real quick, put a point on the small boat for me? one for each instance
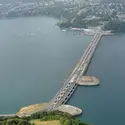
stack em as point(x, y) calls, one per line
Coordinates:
point(64, 30)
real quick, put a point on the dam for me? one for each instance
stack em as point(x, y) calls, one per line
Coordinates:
point(70, 85)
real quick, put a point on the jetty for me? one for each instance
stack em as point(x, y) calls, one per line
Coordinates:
point(88, 81)
point(72, 110)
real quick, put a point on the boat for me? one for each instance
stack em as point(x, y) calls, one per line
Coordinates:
point(64, 30)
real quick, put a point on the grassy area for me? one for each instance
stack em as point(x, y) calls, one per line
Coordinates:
point(30, 108)
point(38, 122)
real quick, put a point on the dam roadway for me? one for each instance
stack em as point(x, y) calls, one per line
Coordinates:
point(70, 84)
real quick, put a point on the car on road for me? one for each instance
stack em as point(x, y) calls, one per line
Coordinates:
point(59, 97)
point(65, 89)
point(55, 102)
point(62, 93)
point(67, 86)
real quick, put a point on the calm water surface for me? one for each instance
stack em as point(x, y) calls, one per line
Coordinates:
point(105, 104)
point(35, 57)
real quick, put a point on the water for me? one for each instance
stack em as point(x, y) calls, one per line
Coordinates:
point(105, 104)
point(35, 56)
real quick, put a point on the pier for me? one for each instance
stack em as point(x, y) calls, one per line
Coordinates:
point(88, 81)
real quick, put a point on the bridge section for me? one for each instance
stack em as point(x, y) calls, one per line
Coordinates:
point(70, 84)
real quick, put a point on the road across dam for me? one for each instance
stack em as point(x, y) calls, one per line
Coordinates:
point(70, 85)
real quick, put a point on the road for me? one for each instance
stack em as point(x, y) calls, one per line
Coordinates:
point(70, 85)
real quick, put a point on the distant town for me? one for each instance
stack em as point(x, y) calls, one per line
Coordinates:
point(72, 13)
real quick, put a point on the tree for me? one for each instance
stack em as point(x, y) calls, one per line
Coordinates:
point(115, 25)
point(17, 122)
point(67, 122)
point(62, 120)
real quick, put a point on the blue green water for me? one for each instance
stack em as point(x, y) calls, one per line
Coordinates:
point(105, 104)
point(35, 58)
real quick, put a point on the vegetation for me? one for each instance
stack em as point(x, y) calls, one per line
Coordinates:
point(38, 122)
point(14, 121)
point(63, 118)
point(76, 24)
point(115, 26)
point(65, 24)
point(79, 23)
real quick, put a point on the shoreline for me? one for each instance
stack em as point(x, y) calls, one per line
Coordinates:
point(88, 31)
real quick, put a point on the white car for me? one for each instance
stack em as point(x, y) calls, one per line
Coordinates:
point(55, 102)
